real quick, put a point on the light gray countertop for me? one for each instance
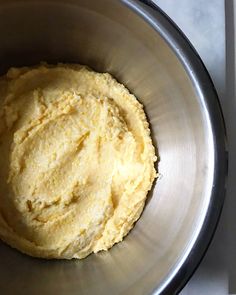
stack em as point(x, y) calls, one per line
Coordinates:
point(203, 22)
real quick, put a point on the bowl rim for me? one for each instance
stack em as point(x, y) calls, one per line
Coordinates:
point(200, 77)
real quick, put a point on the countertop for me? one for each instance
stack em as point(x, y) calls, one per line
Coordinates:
point(203, 22)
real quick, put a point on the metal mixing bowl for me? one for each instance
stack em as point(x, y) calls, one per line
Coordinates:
point(140, 46)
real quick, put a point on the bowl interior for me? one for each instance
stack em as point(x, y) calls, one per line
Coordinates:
point(110, 37)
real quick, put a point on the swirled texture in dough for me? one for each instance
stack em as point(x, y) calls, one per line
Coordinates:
point(76, 161)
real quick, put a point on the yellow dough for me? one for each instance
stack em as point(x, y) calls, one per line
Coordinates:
point(76, 160)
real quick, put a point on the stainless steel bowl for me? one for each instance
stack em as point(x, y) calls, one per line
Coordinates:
point(140, 46)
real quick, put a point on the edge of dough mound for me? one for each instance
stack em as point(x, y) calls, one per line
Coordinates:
point(77, 160)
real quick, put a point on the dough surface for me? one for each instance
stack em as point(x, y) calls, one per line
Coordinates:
point(76, 163)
